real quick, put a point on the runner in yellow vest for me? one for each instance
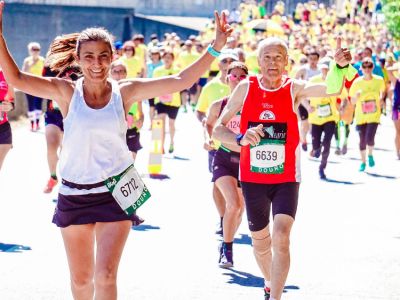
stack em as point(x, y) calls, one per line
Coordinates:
point(34, 64)
point(168, 105)
point(367, 94)
point(323, 118)
point(132, 62)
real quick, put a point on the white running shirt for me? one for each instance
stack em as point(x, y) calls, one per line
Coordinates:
point(94, 144)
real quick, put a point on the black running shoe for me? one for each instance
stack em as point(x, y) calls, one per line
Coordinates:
point(322, 174)
point(225, 258)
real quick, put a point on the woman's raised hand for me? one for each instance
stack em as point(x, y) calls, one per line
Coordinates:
point(223, 30)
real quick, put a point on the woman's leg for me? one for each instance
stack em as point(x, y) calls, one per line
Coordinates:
point(171, 124)
point(234, 206)
point(4, 148)
point(79, 245)
point(397, 137)
point(53, 139)
point(110, 239)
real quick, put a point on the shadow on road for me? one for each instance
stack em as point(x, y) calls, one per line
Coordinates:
point(340, 181)
point(145, 228)
point(13, 248)
point(244, 279)
point(249, 280)
point(244, 239)
point(381, 176)
point(157, 176)
point(177, 157)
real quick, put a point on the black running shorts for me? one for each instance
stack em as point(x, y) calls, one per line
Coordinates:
point(259, 197)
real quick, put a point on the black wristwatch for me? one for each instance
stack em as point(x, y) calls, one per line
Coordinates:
point(239, 138)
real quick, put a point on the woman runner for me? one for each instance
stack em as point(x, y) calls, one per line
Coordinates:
point(226, 168)
point(93, 225)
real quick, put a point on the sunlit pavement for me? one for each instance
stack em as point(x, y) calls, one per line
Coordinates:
point(345, 242)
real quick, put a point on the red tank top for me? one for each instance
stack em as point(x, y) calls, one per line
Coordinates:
point(3, 93)
point(276, 159)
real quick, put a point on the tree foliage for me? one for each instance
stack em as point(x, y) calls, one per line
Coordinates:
point(391, 9)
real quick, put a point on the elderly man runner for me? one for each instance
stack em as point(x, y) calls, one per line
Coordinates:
point(270, 151)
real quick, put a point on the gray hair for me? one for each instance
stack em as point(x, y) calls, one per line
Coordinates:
point(271, 41)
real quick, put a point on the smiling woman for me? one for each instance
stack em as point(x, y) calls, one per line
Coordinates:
point(100, 188)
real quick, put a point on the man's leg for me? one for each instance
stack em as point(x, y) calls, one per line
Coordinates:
point(281, 254)
point(262, 251)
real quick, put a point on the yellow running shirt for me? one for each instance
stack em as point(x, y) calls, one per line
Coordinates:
point(37, 67)
point(133, 64)
point(185, 59)
point(325, 108)
point(211, 92)
point(170, 99)
point(368, 107)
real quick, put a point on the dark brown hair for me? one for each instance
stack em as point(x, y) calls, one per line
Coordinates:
point(238, 65)
point(62, 50)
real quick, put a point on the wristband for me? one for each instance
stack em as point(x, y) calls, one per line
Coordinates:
point(212, 51)
point(339, 67)
point(239, 138)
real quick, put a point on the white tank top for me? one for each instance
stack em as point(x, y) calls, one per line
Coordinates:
point(94, 144)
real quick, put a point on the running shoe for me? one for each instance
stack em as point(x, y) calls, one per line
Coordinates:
point(344, 149)
point(50, 185)
point(322, 174)
point(267, 293)
point(171, 148)
point(315, 153)
point(371, 161)
point(338, 151)
point(304, 146)
point(362, 167)
point(225, 257)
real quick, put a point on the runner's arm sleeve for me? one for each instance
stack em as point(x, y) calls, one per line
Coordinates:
point(335, 77)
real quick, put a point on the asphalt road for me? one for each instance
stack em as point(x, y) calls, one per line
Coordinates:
point(345, 242)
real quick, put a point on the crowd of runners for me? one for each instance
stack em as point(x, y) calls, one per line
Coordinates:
point(263, 86)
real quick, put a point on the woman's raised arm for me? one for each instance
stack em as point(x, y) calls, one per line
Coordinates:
point(49, 88)
point(139, 89)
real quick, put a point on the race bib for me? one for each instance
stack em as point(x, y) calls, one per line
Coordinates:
point(234, 124)
point(128, 190)
point(268, 157)
point(368, 107)
point(166, 98)
point(324, 110)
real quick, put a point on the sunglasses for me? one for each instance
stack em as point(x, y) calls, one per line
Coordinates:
point(128, 49)
point(236, 77)
point(115, 71)
point(35, 49)
point(367, 66)
point(227, 61)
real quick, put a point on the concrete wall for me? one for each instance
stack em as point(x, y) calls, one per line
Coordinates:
point(198, 8)
point(24, 23)
point(147, 27)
